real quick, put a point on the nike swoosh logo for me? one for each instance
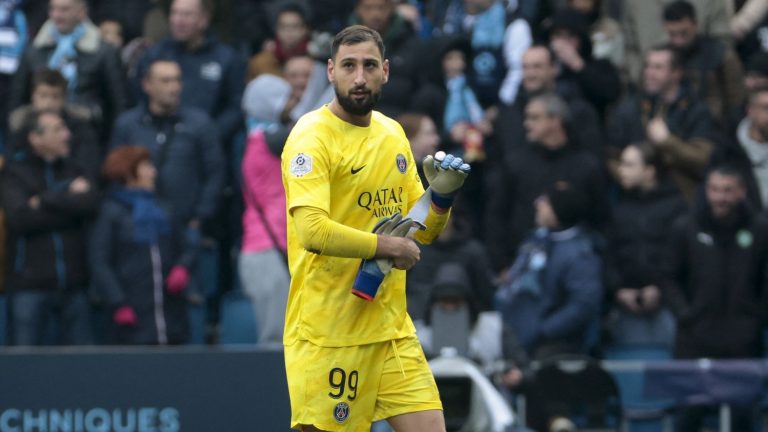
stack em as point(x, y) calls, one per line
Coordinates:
point(355, 171)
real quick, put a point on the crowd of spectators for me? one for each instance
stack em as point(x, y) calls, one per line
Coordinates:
point(619, 153)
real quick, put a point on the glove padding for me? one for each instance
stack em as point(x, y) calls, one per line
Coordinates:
point(372, 271)
point(445, 174)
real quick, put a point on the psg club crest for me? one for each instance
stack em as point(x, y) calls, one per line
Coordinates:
point(402, 164)
point(341, 412)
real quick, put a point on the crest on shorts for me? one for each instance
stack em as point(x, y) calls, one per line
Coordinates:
point(402, 164)
point(301, 165)
point(341, 412)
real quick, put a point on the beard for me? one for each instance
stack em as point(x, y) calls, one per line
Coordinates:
point(360, 107)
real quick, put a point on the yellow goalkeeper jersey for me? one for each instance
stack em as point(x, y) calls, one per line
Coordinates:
point(357, 175)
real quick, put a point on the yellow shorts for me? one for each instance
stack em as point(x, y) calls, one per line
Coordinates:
point(348, 388)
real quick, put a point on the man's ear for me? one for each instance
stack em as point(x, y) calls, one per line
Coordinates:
point(329, 70)
point(385, 66)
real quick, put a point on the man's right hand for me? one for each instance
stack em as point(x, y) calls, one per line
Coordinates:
point(402, 250)
point(79, 186)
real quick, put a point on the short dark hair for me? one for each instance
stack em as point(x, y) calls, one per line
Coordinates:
point(675, 57)
point(547, 48)
point(49, 77)
point(727, 169)
point(31, 122)
point(153, 62)
point(679, 10)
point(354, 35)
point(650, 155)
point(122, 163)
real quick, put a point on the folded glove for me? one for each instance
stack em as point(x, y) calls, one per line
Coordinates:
point(373, 271)
point(445, 174)
point(177, 279)
point(125, 316)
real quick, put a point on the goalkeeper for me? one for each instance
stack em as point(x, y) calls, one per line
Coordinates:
point(355, 206)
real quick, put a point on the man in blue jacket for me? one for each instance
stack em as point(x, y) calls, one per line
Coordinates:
point(212, 72)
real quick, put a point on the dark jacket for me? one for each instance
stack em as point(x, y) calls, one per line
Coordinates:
point(461, 249)
point(527, 173)
point(715, 72)
point(639, 234)
point(402, 50)
point(716, 284)
point(213, 75)
point(125, 273)
point(100, 77)
point(47, 245)
point(187, 153)
point(554, 293)
point(688, 149)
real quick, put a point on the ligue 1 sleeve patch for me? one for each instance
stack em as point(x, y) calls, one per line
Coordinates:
point(301, 165)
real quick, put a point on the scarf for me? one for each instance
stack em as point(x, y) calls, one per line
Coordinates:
point(462, 104)
point(284, 53)
point(150, 221)
point(489, 27)
point(63, 57)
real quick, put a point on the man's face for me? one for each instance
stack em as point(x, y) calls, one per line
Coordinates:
point(47, 97)
point(538, 123)
point(375, 13)
point(658, 73)
point(565, 37)
point(188, 20)
point(682, 34)
point(66, 14)
point(163, 85)
point(538, 70)
point(297, 71)
point(52, 136)
point(757, 112)
point(724, 193)
point(454, 63)
point(358, 73)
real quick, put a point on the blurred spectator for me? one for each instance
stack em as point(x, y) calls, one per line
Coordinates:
point(748, 27)
point(49, 89)
point(128, 14)
point(716, 282)
point(637, 237)
point(457, 245)
point(112, 33)
point(291, 38)
point(213, 73)
point(454, 320)
point(552, 296)
point(70, 43)
point(666, 114)
point(597, 80)
point(423, 137)
point(711, 66)
point(539, 77)
point(48, 202)
point(746, 149)
point(756, 72)
point(517, 38)
point(185, 148)
point(549, 158)
point(13, 28)
point(139, 263)
point(263, 262)
point(310, 88)
point(402, 49)
point(643, 27)
point(604, 32)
